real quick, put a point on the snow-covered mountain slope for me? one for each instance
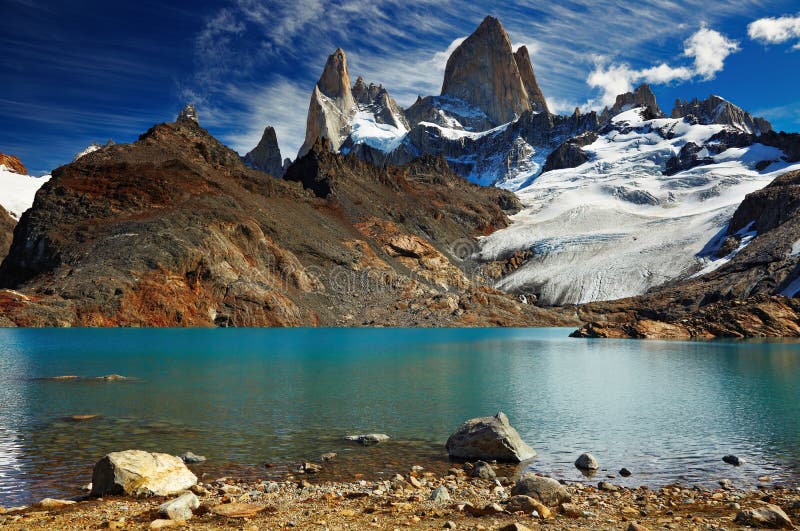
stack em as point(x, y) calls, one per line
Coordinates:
point(17, 191)
point(617, 224)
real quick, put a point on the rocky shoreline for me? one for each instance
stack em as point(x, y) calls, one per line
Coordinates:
point(417, 499)
point(134, 489)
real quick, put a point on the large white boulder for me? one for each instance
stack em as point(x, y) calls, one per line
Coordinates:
point(139, 473)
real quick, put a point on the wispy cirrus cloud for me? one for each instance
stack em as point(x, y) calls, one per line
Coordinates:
point(776, 30)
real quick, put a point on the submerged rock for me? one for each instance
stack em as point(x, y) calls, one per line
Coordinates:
point(489, 438)
point(368, 439)
point(483, 470)
point(139, 473)
point(190, 458)
point(733, 460)
point(586, 461)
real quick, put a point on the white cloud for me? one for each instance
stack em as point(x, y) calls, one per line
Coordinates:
point(707, 47)
point(710, 49)
point(776, 30)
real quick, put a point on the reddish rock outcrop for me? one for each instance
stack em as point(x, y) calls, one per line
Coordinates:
point(13, 164)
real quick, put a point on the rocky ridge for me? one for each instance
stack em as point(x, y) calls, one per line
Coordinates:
point(174, 230)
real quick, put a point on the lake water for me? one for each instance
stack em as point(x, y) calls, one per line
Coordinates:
point(668, 411)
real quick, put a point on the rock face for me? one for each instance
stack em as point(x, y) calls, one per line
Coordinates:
point(138, 473)
point(716, 110)
point(745, 296)
point(13, 164)
point(535, 96)
point(266, 156)
point(489, 438)
point(7, 224)
point(569, 154)
point(641, 97)
point(174, 230)
point(482, 71)
point(332, 105)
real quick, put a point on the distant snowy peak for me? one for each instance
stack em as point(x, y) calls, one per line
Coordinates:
point(188, 115)
point(641, 97)
point(717, 110)
point(91, 148)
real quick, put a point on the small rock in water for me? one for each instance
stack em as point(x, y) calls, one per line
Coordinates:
point(113, 378)
point(79, 418)
point(733, 460)
point(586, 461)
point(180, 508)
point(483, 470)
point(368, 439)
point(609, 487)
point(770, 516)
point(440, 495)
point(190, 458)
point(726, 484)
point(330, 456)
point(624, 472)
point(311, 468)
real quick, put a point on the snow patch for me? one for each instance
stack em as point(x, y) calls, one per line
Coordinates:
point(366, 130)
point(17, 191)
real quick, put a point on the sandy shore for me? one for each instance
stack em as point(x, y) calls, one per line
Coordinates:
point(404, 503)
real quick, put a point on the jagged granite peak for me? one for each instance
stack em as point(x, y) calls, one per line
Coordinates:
point(375, 99)
point(332, 105)
point(717, 110)
point(483, 72)
point(188, 114)
point(335, 80)
point(266, 156)
point(641, 97)
point(535, 96)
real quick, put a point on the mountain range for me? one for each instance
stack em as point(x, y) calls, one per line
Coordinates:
point(476, 206)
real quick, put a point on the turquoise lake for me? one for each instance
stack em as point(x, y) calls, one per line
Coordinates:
point(668, 411)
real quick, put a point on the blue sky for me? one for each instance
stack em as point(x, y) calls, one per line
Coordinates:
point(84, 71)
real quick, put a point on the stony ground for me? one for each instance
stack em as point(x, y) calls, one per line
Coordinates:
point(405, 503)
